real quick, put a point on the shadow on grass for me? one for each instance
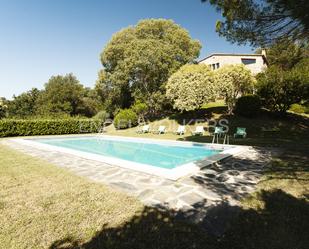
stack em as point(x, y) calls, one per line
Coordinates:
point(281, 223)
point(194, 116)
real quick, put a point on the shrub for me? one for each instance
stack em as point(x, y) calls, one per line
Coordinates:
point(11, 127)
point(140, 108)
point(191, 87)
point(297, 108)
point(280, 89)
point(101, 115)
point(248, 105)
point(233, 80)
point(125, 118)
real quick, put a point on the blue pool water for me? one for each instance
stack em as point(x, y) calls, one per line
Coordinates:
point(156, 154)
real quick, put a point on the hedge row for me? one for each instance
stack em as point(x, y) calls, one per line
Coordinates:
point(10, 127)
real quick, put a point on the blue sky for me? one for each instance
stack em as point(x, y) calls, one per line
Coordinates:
point(41, 38)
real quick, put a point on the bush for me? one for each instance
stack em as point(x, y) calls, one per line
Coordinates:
point(297, 108)
point(248, 105)
point(11, 127)
point(191, 87)
point(280, 89)
point(232, 81)
point(101, 115)
point(125, 118)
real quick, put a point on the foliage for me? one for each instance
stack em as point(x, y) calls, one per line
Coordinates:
point(191, 87)
point(140, 108)
point(262, 22)
point(62, 94)
point(279, 89)
point(248, 105)
point(12, 127)
point(24, 105)
point(3, 108)
point(90, 103)
point(286, 54)
point(232, 81)
point(297, 108)
point(139, 59)
point(102, 115)
point(125, 118)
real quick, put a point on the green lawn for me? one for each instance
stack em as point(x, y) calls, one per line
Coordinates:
point(43, 206)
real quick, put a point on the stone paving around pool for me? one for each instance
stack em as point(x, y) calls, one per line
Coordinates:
point(224, 182)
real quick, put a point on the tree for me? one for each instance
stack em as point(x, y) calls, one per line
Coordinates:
point(191, 87)
point(261, 23)
point(286, 54)
point(3, 107)
point(63, 95)
point(25, 104)
point(279, 89)
point(233, 81)
point(139, 59)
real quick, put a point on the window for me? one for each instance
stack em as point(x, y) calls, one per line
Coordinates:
point(213, 66)
point(218, 65)
point(248, 61)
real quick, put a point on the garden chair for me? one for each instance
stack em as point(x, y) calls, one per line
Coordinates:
point(181, 130)
point(161, 130)
point(219, 132)
point(240, 132)
point(145, 129)
point(199, 130)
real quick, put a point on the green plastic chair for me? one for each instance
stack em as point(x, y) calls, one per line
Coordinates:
point(240, 132)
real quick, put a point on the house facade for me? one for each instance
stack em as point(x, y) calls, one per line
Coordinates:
point(255, 62)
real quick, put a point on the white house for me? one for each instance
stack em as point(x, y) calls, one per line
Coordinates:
point(255, 62)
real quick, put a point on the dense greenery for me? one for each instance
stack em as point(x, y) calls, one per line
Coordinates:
point(191, 87)
point(279, 89)
point(248, 105)
point(285, 54)
point(62, 96)
point(25, 104)
point(286, 80)
point(138, 61)
point(125, 118)
point(3, 108)
point(11, 127)
point(232, 81)
point(262, 22)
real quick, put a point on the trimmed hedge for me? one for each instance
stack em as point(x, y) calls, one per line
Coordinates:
point(11, 127)
point(248, 105)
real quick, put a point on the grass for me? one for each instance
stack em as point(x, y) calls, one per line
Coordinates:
point(40, 203)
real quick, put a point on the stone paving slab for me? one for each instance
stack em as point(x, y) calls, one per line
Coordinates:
point(226, 181)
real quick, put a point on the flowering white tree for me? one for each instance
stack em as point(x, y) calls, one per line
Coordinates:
point(233, 81)
point(191, 87)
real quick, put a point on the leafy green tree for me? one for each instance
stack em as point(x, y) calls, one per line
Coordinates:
point(262, 22)
point(140, 108)
point(279, 89)
point(63, 95)
point(286, 54)
point(139, 59)
point(90, 104)
point(3, 108)
point(233, 81)
point(191, 87)
point(24, 105)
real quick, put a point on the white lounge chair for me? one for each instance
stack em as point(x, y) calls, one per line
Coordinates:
point(181, 130)
point(199, 130)
point(145, 129)
point(161, 130)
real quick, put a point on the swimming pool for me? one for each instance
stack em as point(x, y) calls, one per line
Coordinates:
point(170, 159)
